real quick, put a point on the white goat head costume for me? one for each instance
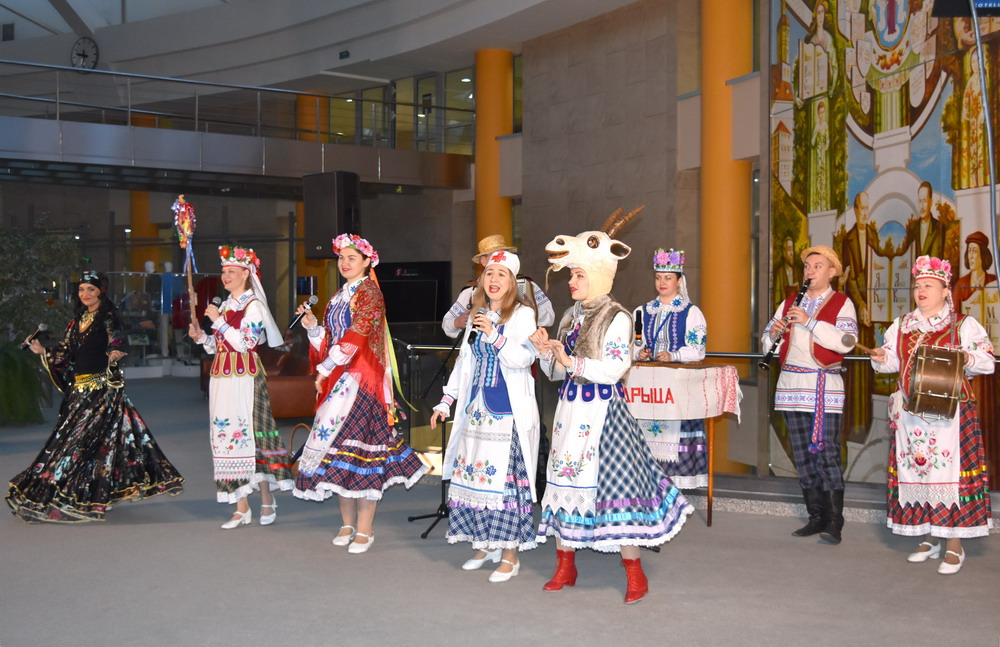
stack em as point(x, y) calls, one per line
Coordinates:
point(595, 252)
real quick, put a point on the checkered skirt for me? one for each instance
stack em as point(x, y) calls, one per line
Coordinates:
point(971, 517)
point(690, 470)
point(512, 527)
point(366, 458)
point(273, 462)
point(636, 505)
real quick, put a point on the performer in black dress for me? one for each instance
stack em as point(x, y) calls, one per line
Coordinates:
point(101, 451)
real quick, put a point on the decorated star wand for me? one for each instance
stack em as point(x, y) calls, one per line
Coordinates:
point(184, 220)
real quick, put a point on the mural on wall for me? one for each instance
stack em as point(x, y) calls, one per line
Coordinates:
point(878, 149)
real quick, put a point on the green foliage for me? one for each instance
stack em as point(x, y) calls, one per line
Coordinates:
point(31, 261)
point(20, 386)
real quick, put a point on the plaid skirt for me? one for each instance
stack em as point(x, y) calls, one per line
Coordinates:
point(511, 527)
point(690, 470)
point(273, 463)
point(637, 504)
point(366, 458)
point(971, 517)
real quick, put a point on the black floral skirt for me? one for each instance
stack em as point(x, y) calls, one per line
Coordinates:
point(100, 453)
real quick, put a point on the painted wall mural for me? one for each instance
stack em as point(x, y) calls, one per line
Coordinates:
point(878, 149)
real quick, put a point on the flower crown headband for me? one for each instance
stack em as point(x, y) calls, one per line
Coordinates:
point(358, 243)
point(671, 260)
point(239, 256)
point(931, 267)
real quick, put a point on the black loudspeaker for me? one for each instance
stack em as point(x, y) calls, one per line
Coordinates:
point(332, 207)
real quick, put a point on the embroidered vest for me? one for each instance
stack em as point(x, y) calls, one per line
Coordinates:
point(674, 329)
point(489, 378)
point(907, 345)
point(571, 388)
point(828, 312)
point(228, 361)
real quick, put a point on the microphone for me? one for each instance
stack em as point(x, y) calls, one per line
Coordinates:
point(217, 301)
point(38, 331)
point(311, 301)
point(472, 335)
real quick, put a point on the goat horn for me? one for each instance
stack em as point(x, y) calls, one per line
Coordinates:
point(611, 219)
point(617, 225)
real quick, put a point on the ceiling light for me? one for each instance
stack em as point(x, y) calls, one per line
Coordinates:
point(466, 79)
point(128, 230)
point(350, 101)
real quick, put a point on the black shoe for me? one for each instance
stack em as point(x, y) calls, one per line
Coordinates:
point(814, 506)
point(831, 533)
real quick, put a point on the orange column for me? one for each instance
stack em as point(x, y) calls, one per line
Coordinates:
point(312, 118)
point(494, 118)
point(726, 53)
point(143, 233)
point(309, 267)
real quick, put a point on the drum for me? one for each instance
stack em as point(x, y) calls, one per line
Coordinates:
point(935, 382)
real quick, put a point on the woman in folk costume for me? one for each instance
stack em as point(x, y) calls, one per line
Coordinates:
point(492, 453)
point(673, 330)
point(937, 469)
point(605, 490)
point(353, 449)
point(101, 451)
point(247, 451)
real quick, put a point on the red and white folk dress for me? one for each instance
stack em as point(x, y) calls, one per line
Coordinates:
point(246, 443)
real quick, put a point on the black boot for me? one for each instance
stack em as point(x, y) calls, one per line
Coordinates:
point(832, 532)
point(814, 506)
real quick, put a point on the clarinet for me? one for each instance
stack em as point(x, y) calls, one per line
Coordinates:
point(765, 364)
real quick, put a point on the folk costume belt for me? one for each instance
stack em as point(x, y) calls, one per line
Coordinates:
point(817, 442)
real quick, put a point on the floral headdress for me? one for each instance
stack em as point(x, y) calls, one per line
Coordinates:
point(358, 243)
point(671, 260)
point(933, 268)
point(239, 257)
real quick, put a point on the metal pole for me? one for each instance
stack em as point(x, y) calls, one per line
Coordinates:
point(292, 264)
point(987, 116)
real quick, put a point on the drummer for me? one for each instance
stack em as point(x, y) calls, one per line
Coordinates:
point(938, 483)
point(673, 330)
point(810, 391)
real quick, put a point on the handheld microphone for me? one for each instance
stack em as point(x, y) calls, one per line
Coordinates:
point(217, 301)
point(311, 301)
point(473, 333)
point(38, 331)
point(638, 330)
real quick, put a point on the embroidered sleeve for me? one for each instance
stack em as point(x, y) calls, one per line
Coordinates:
point(116, 332)
point(891, 364)
point(209, 343)
point(546, 314)
point(831, 336)
point(246, 338)
point(459, 308)
point(766, 341)
point(976, 342)
point(615, 356)
point(695, 337)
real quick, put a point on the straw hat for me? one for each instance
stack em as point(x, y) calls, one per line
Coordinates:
point(490, 244)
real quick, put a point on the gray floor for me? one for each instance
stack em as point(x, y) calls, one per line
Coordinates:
point(163, 573)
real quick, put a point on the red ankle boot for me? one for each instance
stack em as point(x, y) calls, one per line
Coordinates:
point(565, 574)
point(638, 585)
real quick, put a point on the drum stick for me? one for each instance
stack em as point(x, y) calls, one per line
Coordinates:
point(851, 340)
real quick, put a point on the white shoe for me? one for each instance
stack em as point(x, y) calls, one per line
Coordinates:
point(356, 547)
point(239, 519)
point(343, 540)
point(475, 564)
point(497, 576)
point(923, 555)
point(268, 519)
point(950, 569)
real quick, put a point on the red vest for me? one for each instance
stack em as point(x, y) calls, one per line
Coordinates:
point(228, 361)
point(828, 312)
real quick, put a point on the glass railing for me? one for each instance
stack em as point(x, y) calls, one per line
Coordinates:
point(43, 91)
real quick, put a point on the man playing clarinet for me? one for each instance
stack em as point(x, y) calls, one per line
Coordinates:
point(812, 329)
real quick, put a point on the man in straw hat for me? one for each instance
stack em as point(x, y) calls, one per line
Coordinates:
point(810, 391)
point(454, 320)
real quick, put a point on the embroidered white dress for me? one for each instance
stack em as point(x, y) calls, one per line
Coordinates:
point(246, 445)
point(604, 488)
